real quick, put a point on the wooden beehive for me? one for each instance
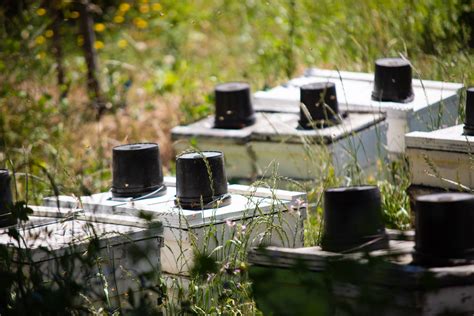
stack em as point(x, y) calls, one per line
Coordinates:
point(275, 144)
point(435, 104)
point(273, 217)
point(309, 281)
point(441, 159)
point(127, 248)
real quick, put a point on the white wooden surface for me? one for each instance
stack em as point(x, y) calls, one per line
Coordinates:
point(413, 290)
point(435, 103)
point(442, 158)
point(64, 231)
point(259, 209)
point(275, 143)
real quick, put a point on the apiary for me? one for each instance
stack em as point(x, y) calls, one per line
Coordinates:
point(432, 105)
point(200, 211)
point(434, 275)
point(288, 144)
point(257, 209)
point(127, 248)
point(442, 159)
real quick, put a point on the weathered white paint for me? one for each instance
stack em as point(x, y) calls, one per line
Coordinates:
point(435, 104)
point(410, 289)
point(275, 217)
point(442, 158)
point(63, 231)
point(274, 144)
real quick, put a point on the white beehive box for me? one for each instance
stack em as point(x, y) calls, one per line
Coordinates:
point(272, 217)
point(66, 231)
point(350, 284)
point(441, 159)
point(435, 103)
point(275, 143)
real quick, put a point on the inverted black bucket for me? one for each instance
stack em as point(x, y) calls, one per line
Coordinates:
point(444, 229)
point(201, 182)
point(137, 171)
point(353, 220)
point(6, 200)
point(234, 109)
point(469, 123)
point(319, 107)
point(393, 80)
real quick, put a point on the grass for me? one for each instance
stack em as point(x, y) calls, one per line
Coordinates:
point(158, 68)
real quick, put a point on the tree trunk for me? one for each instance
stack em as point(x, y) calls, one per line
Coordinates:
point(58, 51)
point(87, 31)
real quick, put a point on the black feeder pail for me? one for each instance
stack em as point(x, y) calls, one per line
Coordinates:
point(319, 100)
point(201, 182)
point(137, 171)
point(353, 220)
point(469, 123)
point(6, 200)
point(393, 80)
point(444, 229)
point(234, 108)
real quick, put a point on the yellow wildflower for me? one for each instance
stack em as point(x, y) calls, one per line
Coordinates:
point(98, 45)
point(80, 40)
point(144, 8)
point(124, 7)
point(140, 23)
point(99, 27)
point(41, 11)
point(122, 43)
point(40, 55)
point(156, 7)
point(40, 40)
point(49, 33)
point(144, 1)
point(118, 19)
point(371, 179)
point(74, 15)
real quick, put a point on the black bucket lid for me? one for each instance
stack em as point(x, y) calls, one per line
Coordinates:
point(137, 170)
point(234, 108)
point(393, 80)
point(320, 101)
point(353, 220)
point(444, 229)
point(6, 200)
point(201, 181)
point(469, 123)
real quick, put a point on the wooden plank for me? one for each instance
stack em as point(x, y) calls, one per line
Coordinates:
point(246, 190)
point(205, 128)
point(435, 104)
point(360, 76)
point(246, 202)
point(449, 139)
point(441, 169)
point(283, 127)
point(277, 141)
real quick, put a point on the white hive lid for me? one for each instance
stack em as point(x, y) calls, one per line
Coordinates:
point(353, 92)
point(449, 139)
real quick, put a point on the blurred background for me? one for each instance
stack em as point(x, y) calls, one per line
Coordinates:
point(79, 77)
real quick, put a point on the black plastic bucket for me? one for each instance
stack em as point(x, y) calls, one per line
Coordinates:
point(319, 100)
point(6, 200)
point(444, 229)
point(234, 108)
point(353, 220)
point(201, 182)
point(137, 171)
point(469, 123)
point(393, 80)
